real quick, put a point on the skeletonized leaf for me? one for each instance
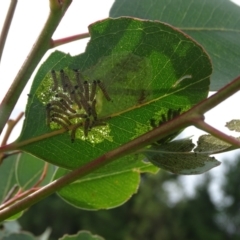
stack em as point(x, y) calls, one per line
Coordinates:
point(233, 125)
point(176, 158)
point(211, 145)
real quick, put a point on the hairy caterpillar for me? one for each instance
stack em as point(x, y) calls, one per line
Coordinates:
point(65, 97)
point(79, 78)
point(86, 90)
point(55, 82)
point(171, 113)
point(93, 90)
point(57, 115)
point(103, 89)
point(60, 122)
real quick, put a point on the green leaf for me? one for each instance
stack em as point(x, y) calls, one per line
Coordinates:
point(15, 216)
point(8, 180)
point(148, 69)
point(210, 144)
point(177, 158)
point(29, 170)
point(140, 63)
point(104, 190)
point(213, 23)
point(82, 235)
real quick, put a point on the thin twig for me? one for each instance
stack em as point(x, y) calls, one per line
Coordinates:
point(7, 25)
point(10, 126)
point(10, 194)
point(43, 175)
point(220, 96)
point(18, 197)
point(59, 42)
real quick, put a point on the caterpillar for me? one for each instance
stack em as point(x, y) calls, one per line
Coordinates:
point(60, 111)
point(65, 97)
point(94, 113)
point(57, 104)
point(86, 127)
point(78, 115)
point(73, 132)
point(57, 115)
point(93, 90)
point(55, 81)
point(60, 122)
point(74, 97)
point(74, 101)
point(62, 77)
point(79, 78)
point(86, 90)
point(69, 85)
point(85, 104)
point(64, 103)
point(171, 113)
point(103, 89)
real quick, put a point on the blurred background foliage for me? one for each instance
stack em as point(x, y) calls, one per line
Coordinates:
point(151, 214)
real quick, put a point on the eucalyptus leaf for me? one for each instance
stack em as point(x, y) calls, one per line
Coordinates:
point(104, 190)
point(210, 144)
point(133, 73)
point(147, 68)
point(233, 125)
point(213, 23)
point(176, 157)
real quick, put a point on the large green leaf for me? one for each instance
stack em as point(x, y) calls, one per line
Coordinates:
point(213, 23)
point(140, 63)
point(105, 189)
point(146, 67)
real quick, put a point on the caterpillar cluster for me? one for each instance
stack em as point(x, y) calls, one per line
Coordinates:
point(171, 113)
point(74, 100)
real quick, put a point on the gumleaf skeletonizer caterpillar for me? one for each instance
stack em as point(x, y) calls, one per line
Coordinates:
point(65, 97)
point(57, 115)
point(103, 89)
point(73, 132)
point(55, 81)
point(93, 90)
point(79, 78)
point(60, 122)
